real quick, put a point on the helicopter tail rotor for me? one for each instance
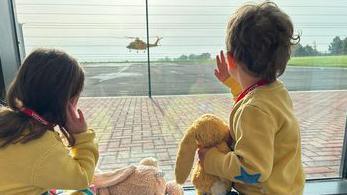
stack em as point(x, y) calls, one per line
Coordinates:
point(158, 39)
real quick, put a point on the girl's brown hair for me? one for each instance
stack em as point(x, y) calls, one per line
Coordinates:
point(45, 83)
point(260, 36)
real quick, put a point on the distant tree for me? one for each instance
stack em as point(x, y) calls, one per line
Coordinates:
point(182, 58)
point(164, 59)
point(205, 56)
point(336, 47)
point(167, 59)
point(193, 57)
point(344, 51)
point(310, 51)
point(201, 57)
point(299, 50)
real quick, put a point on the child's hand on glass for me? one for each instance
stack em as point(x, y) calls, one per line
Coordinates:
point(75, 122)
point(221, 72)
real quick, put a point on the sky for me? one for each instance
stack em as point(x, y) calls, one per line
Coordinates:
point(97, 30)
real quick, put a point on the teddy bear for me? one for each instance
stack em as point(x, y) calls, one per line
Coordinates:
point(207, 131)
point(145, 179)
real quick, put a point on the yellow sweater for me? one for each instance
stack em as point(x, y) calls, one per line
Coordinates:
point(45, 163)
point(267, 153)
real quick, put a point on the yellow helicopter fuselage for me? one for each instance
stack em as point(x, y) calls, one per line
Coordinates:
point(138, 44)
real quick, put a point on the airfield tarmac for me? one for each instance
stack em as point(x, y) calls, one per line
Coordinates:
point(131, 79)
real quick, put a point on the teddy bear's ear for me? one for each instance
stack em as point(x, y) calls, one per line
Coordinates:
point(108, 179)
point(185, 157)
point(172, 188)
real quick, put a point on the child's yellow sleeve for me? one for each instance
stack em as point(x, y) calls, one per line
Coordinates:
point(252, 159)
point(61, 170)
point(235, 87)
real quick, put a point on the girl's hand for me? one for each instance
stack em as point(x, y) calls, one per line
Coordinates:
point(75, 124)
point(222, 68)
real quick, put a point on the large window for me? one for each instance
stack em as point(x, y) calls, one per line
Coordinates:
point(106, 37)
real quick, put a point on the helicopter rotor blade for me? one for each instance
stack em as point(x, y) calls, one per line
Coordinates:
point(131, 37)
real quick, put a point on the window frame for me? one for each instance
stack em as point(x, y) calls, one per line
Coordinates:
point(9, 50)
point(10, 59)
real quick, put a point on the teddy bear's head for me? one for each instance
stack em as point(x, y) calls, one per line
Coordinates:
point(149, 161)
point(206, 131)
point(145, 178)
point(209, 131)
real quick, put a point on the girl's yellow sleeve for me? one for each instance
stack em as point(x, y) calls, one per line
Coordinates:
point(234, 86)
point(252, 159)
point(61, 170)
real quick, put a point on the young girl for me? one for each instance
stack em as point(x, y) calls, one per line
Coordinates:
point(267, 149)
point(33, 158)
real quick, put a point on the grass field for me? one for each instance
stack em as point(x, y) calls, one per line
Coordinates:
point(320, 61)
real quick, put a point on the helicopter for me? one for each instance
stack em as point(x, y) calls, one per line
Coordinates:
point(139, 44)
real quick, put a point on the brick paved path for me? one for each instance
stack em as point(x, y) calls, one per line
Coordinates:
point(131, 128)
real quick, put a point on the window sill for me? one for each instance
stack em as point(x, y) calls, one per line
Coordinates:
point(312, 187)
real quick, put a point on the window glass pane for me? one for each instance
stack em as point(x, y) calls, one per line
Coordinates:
point(316, 79)
point(193, 32)
point(97, 33)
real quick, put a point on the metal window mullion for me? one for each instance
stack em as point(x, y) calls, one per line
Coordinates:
point(2, 86)
point(343, 165)
point(9, 51)
point(148, 56)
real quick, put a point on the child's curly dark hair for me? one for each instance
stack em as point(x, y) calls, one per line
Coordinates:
point(260, 36)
